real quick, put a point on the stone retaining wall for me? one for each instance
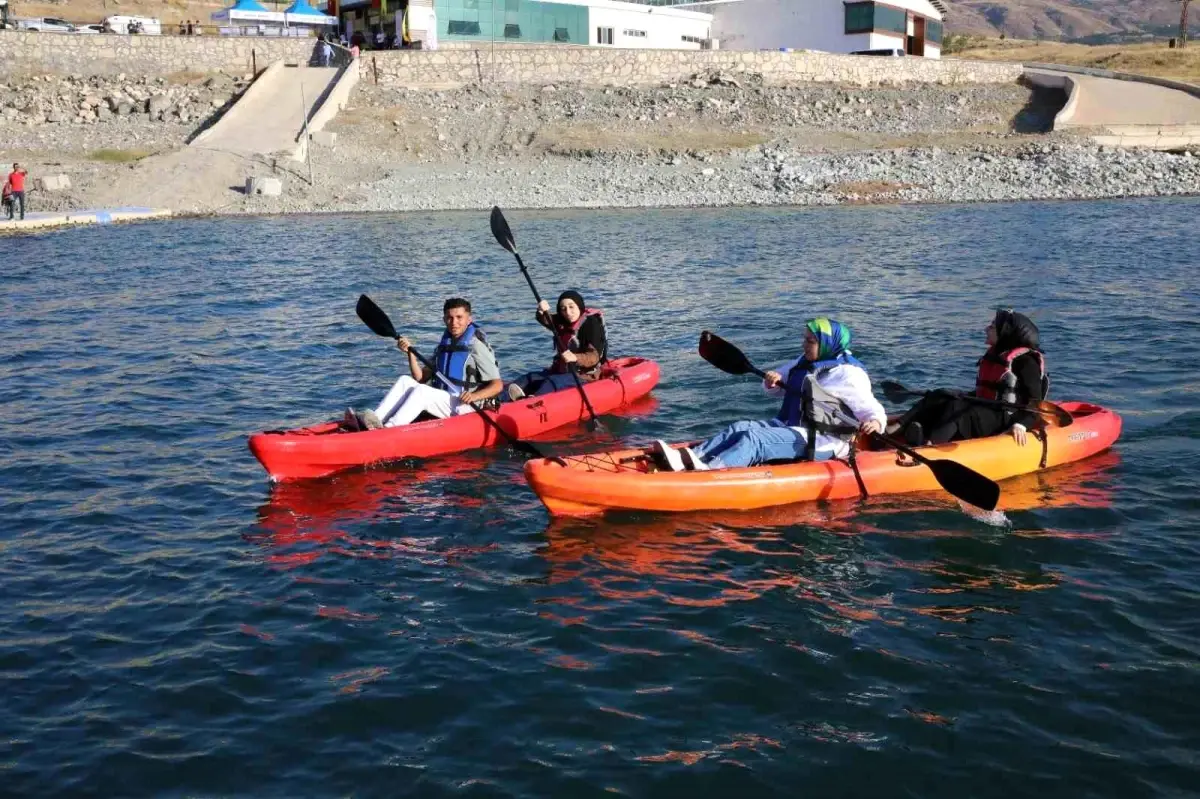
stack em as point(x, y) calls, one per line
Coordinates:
point(109, 54)
point(23, 52)
point(606, 66)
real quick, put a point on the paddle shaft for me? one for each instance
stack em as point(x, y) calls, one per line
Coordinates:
point(1061, 416)
point(876, 437)
point(587, 403)
point(516, 443)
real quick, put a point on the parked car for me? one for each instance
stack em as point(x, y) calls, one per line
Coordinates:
point(884, 51)
point(90, 29)
point(46, 24)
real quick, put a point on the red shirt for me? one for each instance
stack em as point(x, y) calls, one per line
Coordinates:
point(17, 179)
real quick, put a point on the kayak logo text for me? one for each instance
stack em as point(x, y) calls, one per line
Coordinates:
point(1084, 436)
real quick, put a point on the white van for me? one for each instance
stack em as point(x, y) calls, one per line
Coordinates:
point(149, 26)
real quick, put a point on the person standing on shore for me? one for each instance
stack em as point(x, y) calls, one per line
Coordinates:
point(16, 186)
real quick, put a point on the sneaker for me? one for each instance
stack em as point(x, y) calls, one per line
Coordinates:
point(515, 392)
point(350, 421)
point(692, 460)
point(669, 454)
point(369, 420)
point(914, 434)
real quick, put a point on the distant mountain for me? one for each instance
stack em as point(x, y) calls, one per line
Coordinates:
point(1092, 20)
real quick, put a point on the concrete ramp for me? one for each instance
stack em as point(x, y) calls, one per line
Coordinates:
point(1124, 110)
point(269, 117)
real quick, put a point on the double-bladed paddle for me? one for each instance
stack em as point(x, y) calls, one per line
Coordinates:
point(503, 234)
point(898, 393)
point(967, 484)
point(374, 318)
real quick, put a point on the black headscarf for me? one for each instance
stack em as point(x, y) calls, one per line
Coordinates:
point(573, 296)
point(1014, 330)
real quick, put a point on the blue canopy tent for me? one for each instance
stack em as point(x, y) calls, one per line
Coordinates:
point(301, 13)
point(244, 11)
point(251, 18)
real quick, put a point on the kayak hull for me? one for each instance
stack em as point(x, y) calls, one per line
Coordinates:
point(629, 480)
point(324, 449)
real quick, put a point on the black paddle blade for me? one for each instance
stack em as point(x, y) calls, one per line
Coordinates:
point(502, 231)
point(374, 317)
point(896, 392)
point(723, 355)
point(967, 484)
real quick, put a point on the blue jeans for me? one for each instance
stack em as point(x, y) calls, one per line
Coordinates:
point(752, 443)
point(543, 382)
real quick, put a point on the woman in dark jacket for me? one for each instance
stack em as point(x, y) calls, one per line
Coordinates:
point(1012, 370)
point(581, 344)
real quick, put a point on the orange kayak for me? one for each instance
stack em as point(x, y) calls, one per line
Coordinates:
point(630, 479)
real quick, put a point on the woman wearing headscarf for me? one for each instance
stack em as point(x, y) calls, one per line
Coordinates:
point(827, 401)
point(581, 344)
point(1012, 370)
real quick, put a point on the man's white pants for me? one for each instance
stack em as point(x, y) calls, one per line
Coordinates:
point(408, 398)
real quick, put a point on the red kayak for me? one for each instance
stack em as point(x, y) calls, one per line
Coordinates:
point(324, 449)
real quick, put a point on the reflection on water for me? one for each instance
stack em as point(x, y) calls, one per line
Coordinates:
point(173, 625)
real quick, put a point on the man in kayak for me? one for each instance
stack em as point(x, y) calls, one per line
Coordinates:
point(581, 342)
point(1012, 370)
point(467, 374)
point(827, 400)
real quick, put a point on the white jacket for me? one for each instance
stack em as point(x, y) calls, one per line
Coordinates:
point(852, 385)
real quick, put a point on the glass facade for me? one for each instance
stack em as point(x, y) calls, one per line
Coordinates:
point(867, 17)
point(511, 20)
point(933, 32)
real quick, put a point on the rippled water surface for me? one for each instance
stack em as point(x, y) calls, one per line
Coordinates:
point(174, 625)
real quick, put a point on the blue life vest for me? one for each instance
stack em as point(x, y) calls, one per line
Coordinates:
point(452, 356)
point(791, 412)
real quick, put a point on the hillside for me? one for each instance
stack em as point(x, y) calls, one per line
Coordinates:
point(1064, 19)
point(1144, 59)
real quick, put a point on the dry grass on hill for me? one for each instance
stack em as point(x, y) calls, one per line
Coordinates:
point(1146, 59)
point(169, 12)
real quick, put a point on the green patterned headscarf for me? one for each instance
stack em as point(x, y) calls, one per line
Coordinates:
point(833, 337)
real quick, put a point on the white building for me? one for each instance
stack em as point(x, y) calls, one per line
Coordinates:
point(641, 26)
point(913, 27)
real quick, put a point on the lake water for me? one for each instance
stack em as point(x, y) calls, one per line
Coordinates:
point(174, 625)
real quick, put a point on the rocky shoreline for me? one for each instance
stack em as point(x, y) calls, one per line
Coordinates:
point(712, 141)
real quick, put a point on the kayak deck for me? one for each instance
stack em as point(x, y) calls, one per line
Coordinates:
point(631, 480)
point(326, 448)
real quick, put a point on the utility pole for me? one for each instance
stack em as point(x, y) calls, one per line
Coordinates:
point(1183, 24)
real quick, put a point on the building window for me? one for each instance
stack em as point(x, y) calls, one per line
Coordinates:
point(860, 17)
point(692, 39)
point(875, 17)
point(933, 31)
point(635, 34)
point(893, 20)
point(562, 35)
point(512, 31)
point(460, 27)
point(512, 5)
point(604, 35)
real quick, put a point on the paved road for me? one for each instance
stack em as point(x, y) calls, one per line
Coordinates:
point(1103, 102)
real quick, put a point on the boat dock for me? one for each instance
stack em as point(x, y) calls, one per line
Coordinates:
point(45, 220)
